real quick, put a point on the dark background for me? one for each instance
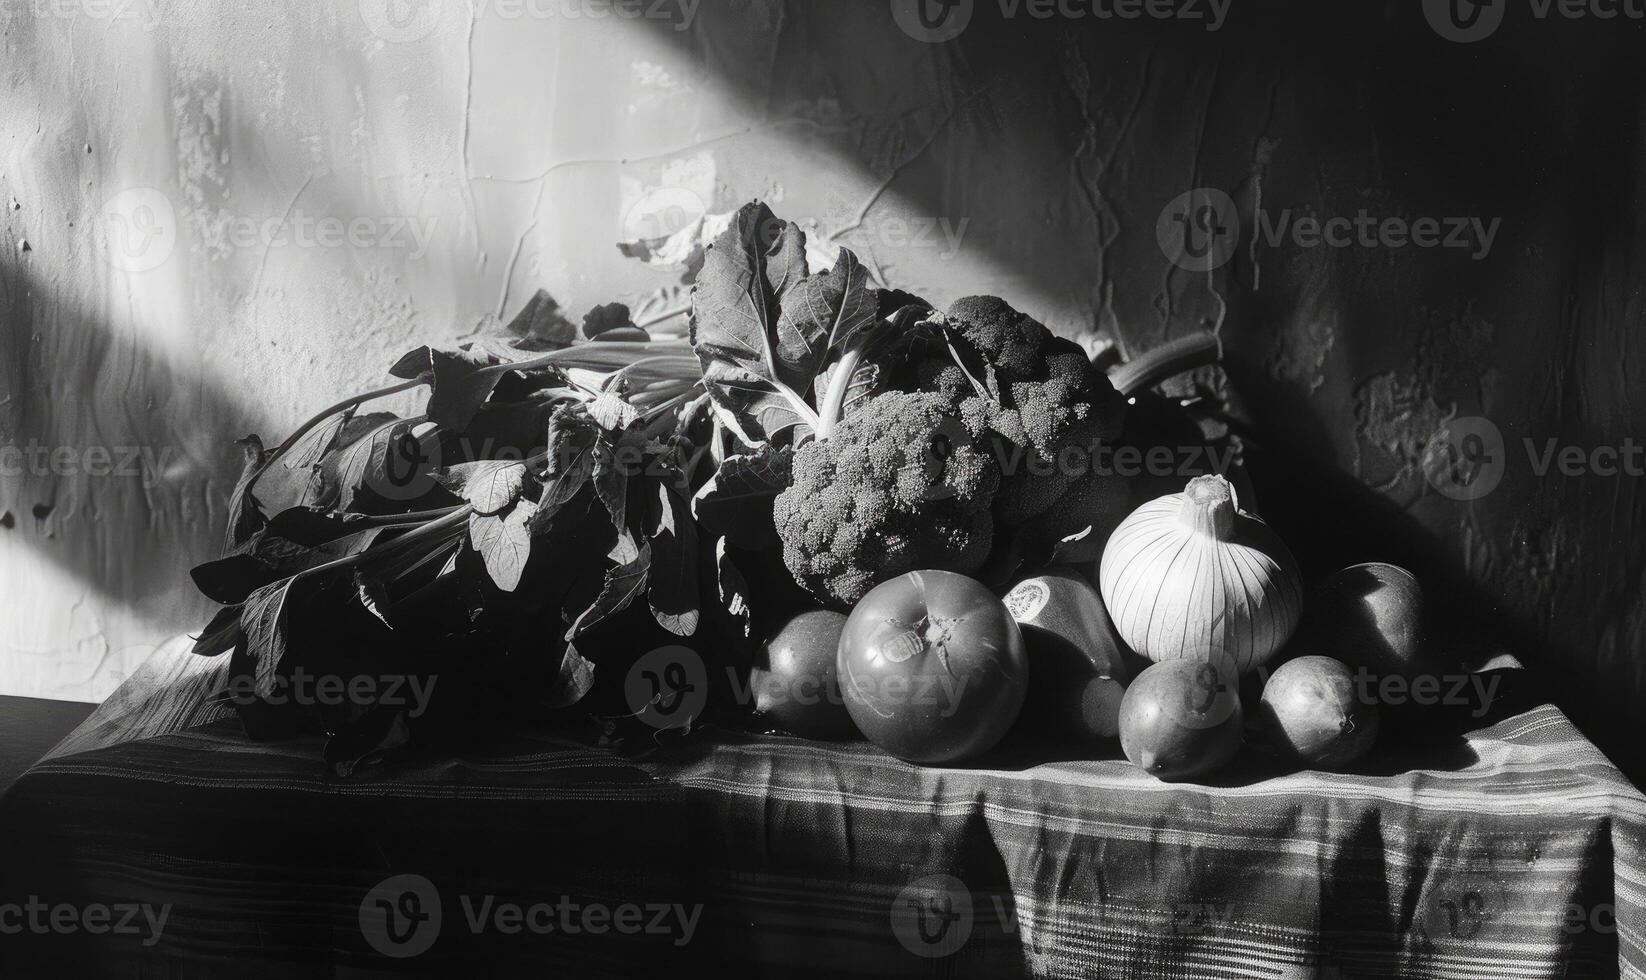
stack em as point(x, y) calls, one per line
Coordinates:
point(1062, 140)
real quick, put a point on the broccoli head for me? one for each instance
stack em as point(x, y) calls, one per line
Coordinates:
point(937, 473)
point(901, 484)
point(1047, 406)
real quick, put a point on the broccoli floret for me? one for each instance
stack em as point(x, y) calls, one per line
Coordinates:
point(935, 473)
point(1050, 399)
point(901, 484)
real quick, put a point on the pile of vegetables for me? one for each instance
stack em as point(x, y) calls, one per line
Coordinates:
point(822, 480)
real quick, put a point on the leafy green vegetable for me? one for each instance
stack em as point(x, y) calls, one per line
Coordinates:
point(263, 621)
point(673, 592)
point(764, 330)
point(504, 541)
point(244, 516)
point(490, 485)
point(222, 634)
point(631, 566)
point(562, 501)
point(737, 500)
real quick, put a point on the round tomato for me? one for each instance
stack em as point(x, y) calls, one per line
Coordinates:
point(1312, 713)
point(932, 667)
point(798, 689)
point(1181, 719)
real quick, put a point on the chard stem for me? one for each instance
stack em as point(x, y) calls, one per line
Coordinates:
point(325, 414)
point(684, 396)
point(834, 398)
point(401, 520)
point(454, 518)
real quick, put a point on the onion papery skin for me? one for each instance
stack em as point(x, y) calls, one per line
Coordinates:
point(1189, 575)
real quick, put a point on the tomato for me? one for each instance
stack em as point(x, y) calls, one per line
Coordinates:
point(932, 667)
point(799, 688)
point(1181, 719)
point(1312, 713)
point(1371, 617)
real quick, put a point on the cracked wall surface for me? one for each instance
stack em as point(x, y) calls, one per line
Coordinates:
point(487, 156)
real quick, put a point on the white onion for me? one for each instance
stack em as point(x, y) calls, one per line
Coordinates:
point(1190, 575)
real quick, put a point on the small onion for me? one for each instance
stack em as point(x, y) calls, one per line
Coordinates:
point(1190, 573)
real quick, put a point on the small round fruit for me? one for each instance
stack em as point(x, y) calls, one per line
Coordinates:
point(1370, 616)
point(1181, 719)
point(1310, 713)
point(799, 688)
point(1076, 672)
point(932, 667)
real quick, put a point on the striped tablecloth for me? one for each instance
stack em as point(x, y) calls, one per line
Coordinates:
point(1515, 850)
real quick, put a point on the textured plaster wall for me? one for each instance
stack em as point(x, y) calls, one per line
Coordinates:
point(481, 154)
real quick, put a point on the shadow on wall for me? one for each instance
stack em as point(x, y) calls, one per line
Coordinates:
point(114, 450)
point(1063, 141)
